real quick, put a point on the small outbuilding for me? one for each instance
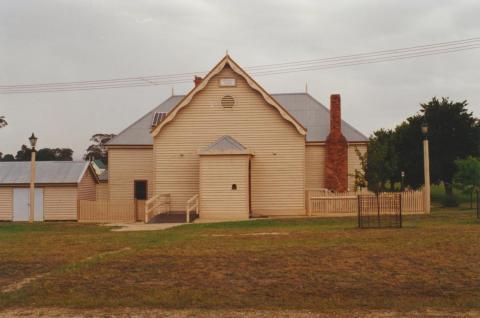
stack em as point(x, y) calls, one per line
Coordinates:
point(58, 187)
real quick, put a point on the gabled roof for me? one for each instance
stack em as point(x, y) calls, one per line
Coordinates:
point(227, 61)
point(18, 172)
point(307, 110)
point(225, 145)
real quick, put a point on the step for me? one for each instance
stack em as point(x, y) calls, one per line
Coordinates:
point(173, 218)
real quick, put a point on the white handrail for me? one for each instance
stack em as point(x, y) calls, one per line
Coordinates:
point(157, 205)
point(190, 207)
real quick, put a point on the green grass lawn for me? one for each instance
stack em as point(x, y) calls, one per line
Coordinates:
point(311, 264)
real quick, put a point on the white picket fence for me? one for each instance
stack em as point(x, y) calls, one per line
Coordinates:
point(322, 202)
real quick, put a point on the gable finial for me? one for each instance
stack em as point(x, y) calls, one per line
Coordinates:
point(173, 90)
point(306, 87)
point(226, 52)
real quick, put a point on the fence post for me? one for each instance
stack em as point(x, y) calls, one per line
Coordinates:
point(358, 210)
point(309, 204)
point(400, 198)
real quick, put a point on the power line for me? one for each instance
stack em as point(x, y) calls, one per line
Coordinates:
point(260, 70)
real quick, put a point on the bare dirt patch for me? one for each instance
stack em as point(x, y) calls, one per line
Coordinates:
point(20, 284)
point(199, 313)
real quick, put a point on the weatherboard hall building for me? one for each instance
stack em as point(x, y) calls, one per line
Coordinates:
point(243, 151)
point(237, 149)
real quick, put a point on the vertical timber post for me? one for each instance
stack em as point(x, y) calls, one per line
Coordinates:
point(31, 215)
point(358, 210)
point(426, 169)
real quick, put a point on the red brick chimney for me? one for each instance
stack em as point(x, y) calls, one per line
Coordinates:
point(197, 80)
point(336, 165)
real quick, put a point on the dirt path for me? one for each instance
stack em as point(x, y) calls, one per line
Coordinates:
point(140, 313)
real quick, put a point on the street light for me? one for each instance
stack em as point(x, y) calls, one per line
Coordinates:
point(402, 174)
point(425, 130)
point(33, 142)
point(426, 167)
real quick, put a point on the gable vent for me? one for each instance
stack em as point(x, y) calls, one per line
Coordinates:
point(157, 118)
point(228, 101)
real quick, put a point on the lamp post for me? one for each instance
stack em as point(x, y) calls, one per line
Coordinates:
point(33, 142)
point(402, 174)
point(426, 167)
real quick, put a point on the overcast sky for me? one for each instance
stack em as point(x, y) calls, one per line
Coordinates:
point(55, 41)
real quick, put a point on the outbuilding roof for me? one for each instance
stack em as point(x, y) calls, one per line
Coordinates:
point(224, 145)
point(18, 172)
point(309, 112)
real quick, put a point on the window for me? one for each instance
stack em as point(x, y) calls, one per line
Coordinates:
point(140, 190)
point(227, 82)
point(234, 186)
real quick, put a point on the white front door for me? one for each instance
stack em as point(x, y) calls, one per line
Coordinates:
point(21, 204)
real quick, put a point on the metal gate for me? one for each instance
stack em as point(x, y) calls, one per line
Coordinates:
point(379, 211)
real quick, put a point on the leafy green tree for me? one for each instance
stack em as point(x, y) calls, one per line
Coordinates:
point(382, 160)
point(45, 154)
point(360, 180)
point(453, 134)
point(97, 150)
point(8, 157)
point(55, 154)
point(24, 154)
point(408, 145)
point(467, 177)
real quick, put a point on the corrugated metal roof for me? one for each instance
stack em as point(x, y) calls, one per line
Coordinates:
point(138, 133)
point(303, 107)
point(18, 172)
point(315, 117)
point(225, 144)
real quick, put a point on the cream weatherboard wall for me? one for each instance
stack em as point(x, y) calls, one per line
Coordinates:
point(315, 166)
point(87, 187)
point(102, 191)
point(6, 204)
point(60, 203)
point(278, 167)
point(125, 166)
point(224, 187)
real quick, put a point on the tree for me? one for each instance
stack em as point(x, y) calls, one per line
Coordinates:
point(55, 154)
point(97, 149)
point(467, 177)
point(8, 157)
point(408, 145)
point(382, 161)
point(24, 154)
point(3, 122)
point(360, 180)
point(45, 154)
point(453, 134)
